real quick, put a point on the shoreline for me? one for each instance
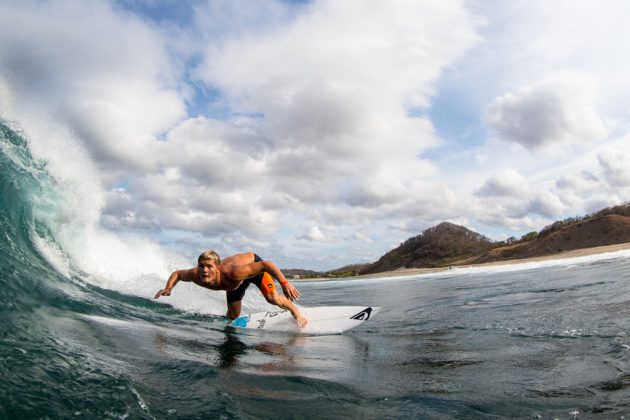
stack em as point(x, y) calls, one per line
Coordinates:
point(583, 252)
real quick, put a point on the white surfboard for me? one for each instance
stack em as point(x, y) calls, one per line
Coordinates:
point(322, 320)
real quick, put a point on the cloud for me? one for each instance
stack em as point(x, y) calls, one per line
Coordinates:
point(547, 113)
point(335, 101)
point(361, 236)
point(212, 153)
point(311, 234)
point(106, 73)
point(547, 204)
point(336, 133)
point(508, 196)
point(616, 167)
point(245, 124)
point(507, 183)
point(582, 181)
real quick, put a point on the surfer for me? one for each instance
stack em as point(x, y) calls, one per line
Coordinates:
point(234, 274)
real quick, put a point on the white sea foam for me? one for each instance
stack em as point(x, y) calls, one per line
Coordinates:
point(532, 265)
point(53, 254)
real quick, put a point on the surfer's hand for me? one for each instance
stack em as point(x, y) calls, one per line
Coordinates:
point(291, 292)
point(163, 292)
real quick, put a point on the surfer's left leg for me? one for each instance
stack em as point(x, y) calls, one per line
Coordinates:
point(277, 299)
point(269, 291)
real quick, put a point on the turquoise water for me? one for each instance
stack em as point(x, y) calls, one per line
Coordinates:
point(535, 341)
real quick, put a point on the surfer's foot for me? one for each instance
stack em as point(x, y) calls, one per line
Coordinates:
point(301, 321)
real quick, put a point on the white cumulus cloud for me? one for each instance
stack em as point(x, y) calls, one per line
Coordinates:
point(313, 234)
point(507, 182)
point(550, 112)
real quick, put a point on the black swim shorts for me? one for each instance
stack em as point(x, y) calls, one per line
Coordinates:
point(264, 281)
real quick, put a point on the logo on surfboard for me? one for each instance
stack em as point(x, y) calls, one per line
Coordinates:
point(364, 315)
point(241, 321)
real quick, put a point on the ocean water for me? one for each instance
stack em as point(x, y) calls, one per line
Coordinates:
point(81, 337)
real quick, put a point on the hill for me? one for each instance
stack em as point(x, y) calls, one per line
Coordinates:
point(598, 230)
point(449, 244)
point(346, 271)
point(292, 273)
point(435, 247)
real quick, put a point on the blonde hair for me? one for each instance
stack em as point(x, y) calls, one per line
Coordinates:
point(209, 255)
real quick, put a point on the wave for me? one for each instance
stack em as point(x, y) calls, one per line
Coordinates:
point(20, 179)
point(60, 270)
point(50, 219)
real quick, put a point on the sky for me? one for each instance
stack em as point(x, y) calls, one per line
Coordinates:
point(325, 133)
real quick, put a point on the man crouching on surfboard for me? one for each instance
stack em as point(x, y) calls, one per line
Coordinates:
point(234, 274)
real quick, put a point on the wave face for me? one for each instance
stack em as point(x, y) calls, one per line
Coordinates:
point(23, 181)
point(40, 369)
point(28, 285)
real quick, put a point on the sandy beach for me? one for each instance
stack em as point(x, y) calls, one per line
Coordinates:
point(414, 271)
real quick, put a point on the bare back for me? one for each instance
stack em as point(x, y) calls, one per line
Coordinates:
point(232, 272)
point(236, 268)
point(228, 263)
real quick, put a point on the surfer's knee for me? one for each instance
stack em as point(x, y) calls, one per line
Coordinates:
point(273, 298)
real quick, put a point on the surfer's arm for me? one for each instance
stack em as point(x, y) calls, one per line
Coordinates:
point(174, 278)
point(287, 288)
point(243, 272)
